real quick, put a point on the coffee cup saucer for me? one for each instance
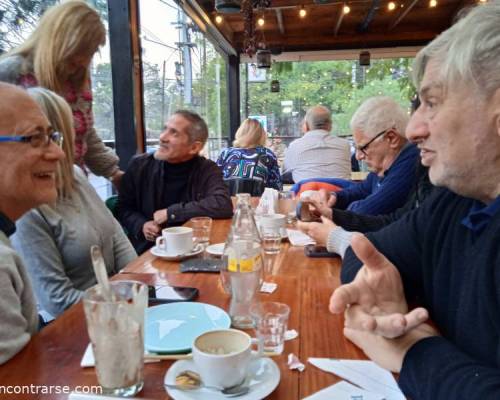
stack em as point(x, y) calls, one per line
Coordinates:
point(157, 252)
point(263, 377)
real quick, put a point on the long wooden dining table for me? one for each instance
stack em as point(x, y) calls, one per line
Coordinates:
point(52, 357)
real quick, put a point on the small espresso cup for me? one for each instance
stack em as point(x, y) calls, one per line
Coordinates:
point(175, 241)
point(222, 357)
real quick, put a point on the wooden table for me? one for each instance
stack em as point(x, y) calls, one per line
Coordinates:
point(53, 356)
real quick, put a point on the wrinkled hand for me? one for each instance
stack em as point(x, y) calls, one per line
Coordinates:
point(321, 203)
point(151, 230)
point(374, 301)
point(319, 231)
point(160, 216)
point(388, 353)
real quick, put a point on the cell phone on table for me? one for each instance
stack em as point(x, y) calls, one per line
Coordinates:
point(171, 294)
point(311, 250)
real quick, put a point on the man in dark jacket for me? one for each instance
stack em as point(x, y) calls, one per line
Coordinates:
point(172, 185)
point(445, 255)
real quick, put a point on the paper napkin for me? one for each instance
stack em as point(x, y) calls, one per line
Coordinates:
point(297, 238)
point(88, 359)
point(344, 391)
point(365, 374)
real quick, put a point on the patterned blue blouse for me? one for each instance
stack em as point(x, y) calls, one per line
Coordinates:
point(258, 163)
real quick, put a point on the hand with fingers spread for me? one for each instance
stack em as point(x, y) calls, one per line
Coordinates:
point(374, 301)
point(151, 231)
point(319, 231)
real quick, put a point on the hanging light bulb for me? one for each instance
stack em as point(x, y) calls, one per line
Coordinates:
point(302, 12)
point(391, 6)
point(483, 1)
point(346, 9)
point(261, 21)
point(218, 19)
point(433, 3)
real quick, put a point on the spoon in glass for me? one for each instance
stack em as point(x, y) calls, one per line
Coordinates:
point(190, 380)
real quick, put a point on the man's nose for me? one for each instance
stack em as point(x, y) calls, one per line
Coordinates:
point(417, 129)
point(359, 154)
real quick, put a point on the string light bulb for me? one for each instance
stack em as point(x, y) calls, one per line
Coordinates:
point(483, 1)
point(391, 6)
point(218, 19)
point(261, 21)
point(433, 3)
point(302, 12)
point(346, 9)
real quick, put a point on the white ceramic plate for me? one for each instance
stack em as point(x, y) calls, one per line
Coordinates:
point(176, 257)
point(215, 249)
point(263, 378)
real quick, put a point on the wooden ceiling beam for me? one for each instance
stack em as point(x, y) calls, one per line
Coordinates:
point(279, 19)
point(339, 20)
point(403, 14)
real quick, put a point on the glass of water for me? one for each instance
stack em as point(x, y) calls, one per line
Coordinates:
point(287, 205)
point(270, 321)
point(202, 227)
point(271, 244)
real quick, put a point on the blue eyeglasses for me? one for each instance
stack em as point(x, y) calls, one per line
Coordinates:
point(37, 140)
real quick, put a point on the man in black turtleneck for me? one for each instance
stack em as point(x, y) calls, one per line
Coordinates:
point(172, 185)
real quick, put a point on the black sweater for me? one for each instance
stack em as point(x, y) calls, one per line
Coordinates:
point(148, 186)
point(454, 272)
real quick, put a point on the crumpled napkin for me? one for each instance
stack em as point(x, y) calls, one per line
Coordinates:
point(268, 203)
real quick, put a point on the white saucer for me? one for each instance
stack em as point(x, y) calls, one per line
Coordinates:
point(263, 378)
point(215, 249)
point(176, 257)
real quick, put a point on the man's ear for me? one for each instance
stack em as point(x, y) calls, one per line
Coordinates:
point(196, 147)
point(393, 138)
point(494, 104)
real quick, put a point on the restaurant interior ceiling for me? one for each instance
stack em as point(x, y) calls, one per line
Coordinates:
point(305, 26)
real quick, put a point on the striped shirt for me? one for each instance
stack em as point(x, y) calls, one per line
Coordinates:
point(318, 154)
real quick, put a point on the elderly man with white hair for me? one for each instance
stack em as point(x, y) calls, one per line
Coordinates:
point(445, 255)
point(29, 157)
point(318, 154)
point(378, 128)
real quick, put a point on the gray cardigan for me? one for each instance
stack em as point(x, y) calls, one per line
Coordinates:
point(55, 242)
point(18, 315)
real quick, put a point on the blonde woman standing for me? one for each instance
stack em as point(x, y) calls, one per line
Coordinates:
point(54, 240)
point(249, 158)
point(57, 56)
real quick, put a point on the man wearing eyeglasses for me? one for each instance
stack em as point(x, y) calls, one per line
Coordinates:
point(29, 157)
point(378, 127)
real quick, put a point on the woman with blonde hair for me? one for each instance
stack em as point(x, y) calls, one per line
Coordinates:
point(57, 56)
point(249, 159)
point(54, 240)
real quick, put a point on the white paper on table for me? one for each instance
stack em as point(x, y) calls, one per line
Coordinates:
point(298, 238)
point(365, 374)
point(268, 287)
point(268, 202)
point(344, 391)
point(88, 359)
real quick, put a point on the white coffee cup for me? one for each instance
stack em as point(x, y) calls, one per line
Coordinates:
point(222, 357)
point(176, 240)
point(273, 221)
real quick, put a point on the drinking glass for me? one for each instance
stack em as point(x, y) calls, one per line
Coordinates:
point(287, 205)
point(270, 321)
point(201, 229)
point(116, 330)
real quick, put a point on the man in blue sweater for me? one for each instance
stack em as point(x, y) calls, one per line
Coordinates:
point(378, 127)
point(445, 255)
